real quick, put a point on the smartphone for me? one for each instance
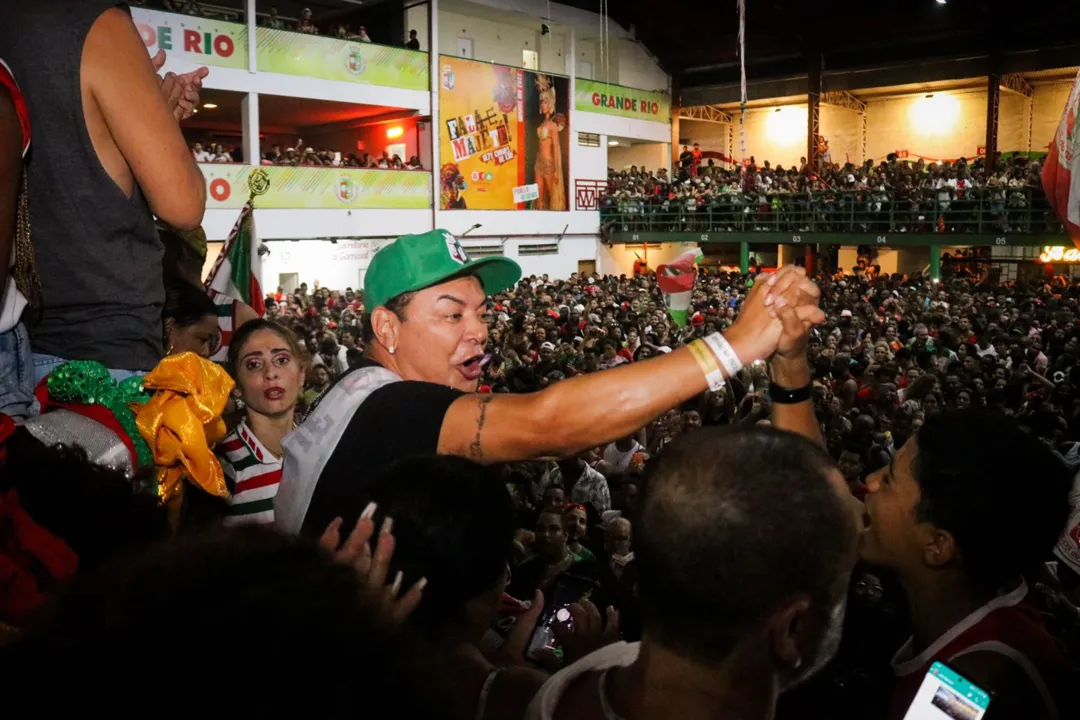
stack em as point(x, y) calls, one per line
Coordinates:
point(947, 695)
point(566, 590)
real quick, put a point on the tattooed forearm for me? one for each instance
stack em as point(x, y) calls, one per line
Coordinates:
point(476, 450)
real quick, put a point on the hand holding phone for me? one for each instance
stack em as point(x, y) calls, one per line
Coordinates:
point(947, 695)
point(566, 618)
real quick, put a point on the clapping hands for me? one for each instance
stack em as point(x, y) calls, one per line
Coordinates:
point(181, 91)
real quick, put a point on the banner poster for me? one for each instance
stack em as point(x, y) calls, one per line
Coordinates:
point(504, 137)
point(292, 53)
point(202, 41)
point(318, 188)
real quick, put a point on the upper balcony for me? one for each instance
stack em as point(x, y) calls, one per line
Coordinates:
point(257, 58)
point(921, 217)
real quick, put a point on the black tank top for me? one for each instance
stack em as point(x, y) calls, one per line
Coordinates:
point(97, 251)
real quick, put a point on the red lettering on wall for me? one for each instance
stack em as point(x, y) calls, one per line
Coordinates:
point(596, 99)
point(220, 190)
point(149, 37)
point(192, 41)
point(223, 45)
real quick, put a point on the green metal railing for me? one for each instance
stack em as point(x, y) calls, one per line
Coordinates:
point(1020, 211)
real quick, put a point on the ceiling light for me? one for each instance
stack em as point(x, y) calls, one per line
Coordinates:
point(210, 106)
point(394, 132)
point(195, 111)
point(942, 2)
point(612, 143)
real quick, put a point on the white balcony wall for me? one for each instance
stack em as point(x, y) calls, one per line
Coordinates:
point(343, 263)
point(292, 224)
point(620, 127)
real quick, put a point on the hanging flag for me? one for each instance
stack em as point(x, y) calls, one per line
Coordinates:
point(1061, 173)
point(236, 270)
point(676, 281)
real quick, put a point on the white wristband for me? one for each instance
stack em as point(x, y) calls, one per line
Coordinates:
point(724, 353)
point(709, 365)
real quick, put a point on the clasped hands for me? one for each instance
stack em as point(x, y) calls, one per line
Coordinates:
point(776, 318)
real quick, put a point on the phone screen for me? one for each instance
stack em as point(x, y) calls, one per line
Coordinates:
point(568, 589)
point(947, 695)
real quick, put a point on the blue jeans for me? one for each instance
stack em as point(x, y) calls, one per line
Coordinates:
point(16, 374)
point(45, 364)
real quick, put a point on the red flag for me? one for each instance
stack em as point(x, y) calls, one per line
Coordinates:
point(1061, 173)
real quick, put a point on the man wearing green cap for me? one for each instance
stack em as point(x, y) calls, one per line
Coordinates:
point(415, 392)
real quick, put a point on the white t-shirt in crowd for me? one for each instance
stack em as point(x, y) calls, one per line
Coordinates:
point(546, 702)
point(340, 362)
point(203, 156)
point(617, 460)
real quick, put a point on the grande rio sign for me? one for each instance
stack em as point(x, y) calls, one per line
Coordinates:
point(608, 99)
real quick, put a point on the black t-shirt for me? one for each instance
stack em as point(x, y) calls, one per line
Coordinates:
point(686, 159)
point(413, 44)
point(397, 421)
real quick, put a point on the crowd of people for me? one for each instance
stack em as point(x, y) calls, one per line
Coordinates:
point(501, 496)
point(304, 157)
point(892, 196)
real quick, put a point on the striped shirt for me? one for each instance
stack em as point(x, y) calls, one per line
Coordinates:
point(252, 473)
point(226, 320)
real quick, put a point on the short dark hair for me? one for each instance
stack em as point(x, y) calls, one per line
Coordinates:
point(186, 304)
point(453, 524)
point(999, 491)
point(395, 305)
point(251, 597)
point(732, 522)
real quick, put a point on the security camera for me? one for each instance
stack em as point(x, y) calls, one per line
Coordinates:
point(544, 29)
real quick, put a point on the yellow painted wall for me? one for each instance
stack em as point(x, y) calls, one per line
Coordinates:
point(946, 126)
point(843, 129)
point(651, 156)
point(1013, 115)
point(1049, 102)
point(779, 137)
point(711, 136)
point(847, 258)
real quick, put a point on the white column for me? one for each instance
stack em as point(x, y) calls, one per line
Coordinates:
point(571, 70)
point(249, 118)
point(436, 127)
point(252, 22)
point(571, 59)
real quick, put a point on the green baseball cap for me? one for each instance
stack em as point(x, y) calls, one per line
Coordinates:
point(415, 262)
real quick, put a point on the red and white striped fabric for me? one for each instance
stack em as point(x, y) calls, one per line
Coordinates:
point(1061, 173)
point(7, 79)
point(12, 302)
